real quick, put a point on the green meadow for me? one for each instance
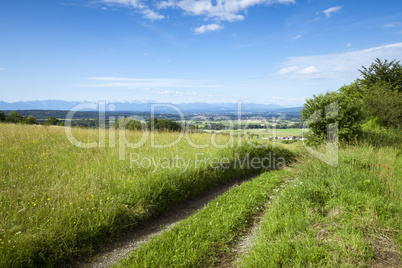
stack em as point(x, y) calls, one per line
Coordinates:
point(60, 201)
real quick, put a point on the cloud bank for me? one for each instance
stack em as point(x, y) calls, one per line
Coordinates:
point(218, 10)
point(342, 66)
point(154, 86)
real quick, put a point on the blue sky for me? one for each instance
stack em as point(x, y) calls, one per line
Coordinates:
point(261, 51)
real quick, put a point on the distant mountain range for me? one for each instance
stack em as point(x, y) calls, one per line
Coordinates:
point(145, 106)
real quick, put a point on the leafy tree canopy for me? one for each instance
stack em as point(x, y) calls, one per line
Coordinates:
point(383, 103)
point(382, 71)
point(14, 117)
point(333, 108)
point(30, 120)
point(134, 125)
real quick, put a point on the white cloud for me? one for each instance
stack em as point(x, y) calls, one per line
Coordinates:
point(393, 25)
point(309, 70)
point(343, 66)
point(152, 15)
point(288, 70)
point(2, 69)
point(390, 25)
point(298, 70)
point(331, 10)
point(139, 5)
point(222, 10)
point(208, 28)
point(175, 93)
point(218, 10)
point(284, 101)
point(128, 3)
point(297, 37)
point(281, 1)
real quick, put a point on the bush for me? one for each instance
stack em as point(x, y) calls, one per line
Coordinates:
point(31, 120)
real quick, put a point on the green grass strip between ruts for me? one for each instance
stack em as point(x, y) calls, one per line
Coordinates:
point(198, 240)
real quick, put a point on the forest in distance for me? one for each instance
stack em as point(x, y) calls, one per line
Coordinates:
point(91, 119)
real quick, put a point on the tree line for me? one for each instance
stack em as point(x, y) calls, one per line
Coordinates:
point(14, 117)
point(152, 124)
point(128, 123)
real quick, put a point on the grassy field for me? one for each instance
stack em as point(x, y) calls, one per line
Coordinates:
point(59, 201)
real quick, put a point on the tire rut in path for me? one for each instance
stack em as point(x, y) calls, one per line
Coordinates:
point(245, 241)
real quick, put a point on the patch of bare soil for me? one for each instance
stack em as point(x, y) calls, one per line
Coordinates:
point(386, 252)
point(230, 258)
point(334, 212)
point(133, 239)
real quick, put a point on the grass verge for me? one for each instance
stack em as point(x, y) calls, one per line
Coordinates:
point(343, 216)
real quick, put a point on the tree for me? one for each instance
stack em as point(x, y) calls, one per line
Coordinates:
point(163, 124)
point(53, 121)
point(166, 124)
point(151, 123)
point(382, 71)
point(383, 104)
point(330, 108)
point(133, 124)
point(129, 123)
point(2, 117)
point(381, 84)
point(14, 117)
point(30, 120)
